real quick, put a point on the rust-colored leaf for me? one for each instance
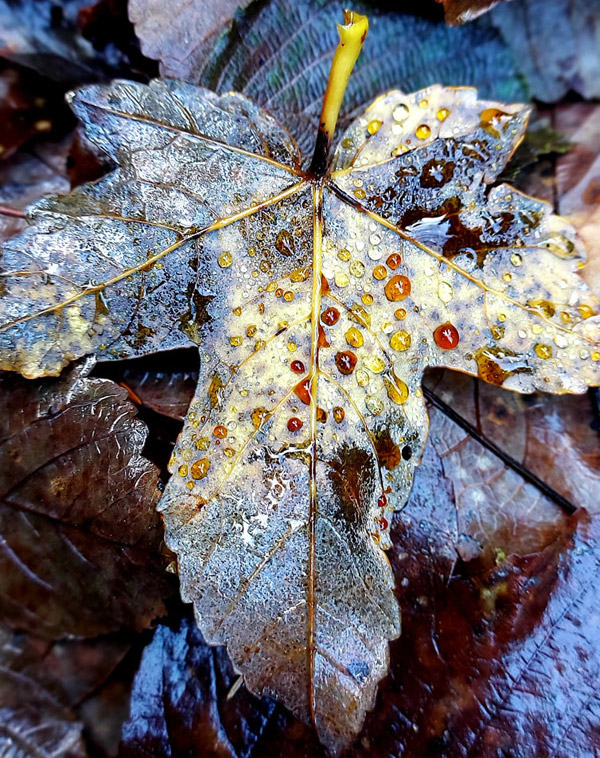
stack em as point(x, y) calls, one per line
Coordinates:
point(317, 301)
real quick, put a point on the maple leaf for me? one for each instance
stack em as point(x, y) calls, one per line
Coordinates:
point(317, 299)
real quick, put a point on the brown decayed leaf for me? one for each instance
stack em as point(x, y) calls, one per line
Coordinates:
point(79, 530)
point(327, 299)
point(462, 11)
point(34, 719)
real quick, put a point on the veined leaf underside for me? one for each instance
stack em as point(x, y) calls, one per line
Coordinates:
point(316, 305)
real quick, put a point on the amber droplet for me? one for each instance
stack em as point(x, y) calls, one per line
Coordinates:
point(288, 296)
point(443, 114)
point(278, 292)
point(396, 389)
point(397, 288)
point(394, 260)
point(446, 336)
point(379, 272)
point(325, 288)
point(497, 331)
point(400, 340)
point(235, 341)
point(302, 391)
point(374, 126)
point(338, 414)
point(543, 351)
point(492, 118)
point(237, 311)
point(182, 470)
point(423, 131)
point(354, 338)
point(360, 193)
point(321, 415)
point(297, 367)
point(251, 330)
point(294, 424)
point(285, 243)
point(367, 299)
point(259, 416)
point(220, 432)
point(345, 361)
point(585, 311)
point(330, 316)
point(200, 468)
point(400, 313)
point(225, 260)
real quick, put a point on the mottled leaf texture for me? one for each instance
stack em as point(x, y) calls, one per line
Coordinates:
point(499, 661)
point(34, 719)
point(78, 529)
point(175, 714)
point(316, 305)
point(278, 53)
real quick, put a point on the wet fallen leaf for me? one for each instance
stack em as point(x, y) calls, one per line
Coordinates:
point(490, 658)
point(72, 472)
point(462, 11)
point(35, 720)
point(265, 54)
point(552, 70)
point(317, 300)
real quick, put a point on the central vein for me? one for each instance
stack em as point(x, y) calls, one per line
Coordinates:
point(314, 378)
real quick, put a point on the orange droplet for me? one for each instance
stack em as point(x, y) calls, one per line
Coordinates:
point(330, 316)
point(397, 288)
point(345, 361)
point(324, 285)
point(446, 336)
point(302, 391)
point(379, 272)
point(338, 414)
point(297, 367)
point(200, 468)
point(394, 260)
point(294, 424)
point(322, 340)
point(321, 415)
point(220, 432)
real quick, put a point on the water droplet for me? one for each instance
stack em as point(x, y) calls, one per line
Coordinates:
point(344, 255)
point(423, 103)
point(516, 259)
point(357, 269)
point(354, 337)
point(445, 292)
point(423, 131)
point(225, 260)
point(400, 112)
point(345, 361)
point(507, 277)
point(400, 340)
point(347, 142)
point(341, 279)
point(294, 424)
point(399, 150)
point(446, 336)
point(285, 243)
point(338, 414)
point(330, 316)
point(543, 351)
point(397, 288)
point(362, 377)
point(560, 340)
point(374, 126)
point(375, 364)
point(200, 468)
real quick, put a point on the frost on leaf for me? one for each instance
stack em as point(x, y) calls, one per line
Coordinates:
point(316, 303)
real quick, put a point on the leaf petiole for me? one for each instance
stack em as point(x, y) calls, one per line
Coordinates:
point(352, 35)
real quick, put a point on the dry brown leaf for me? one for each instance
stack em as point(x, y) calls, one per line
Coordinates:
point(317, 302)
